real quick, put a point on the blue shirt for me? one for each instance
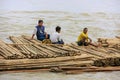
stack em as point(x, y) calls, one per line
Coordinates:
point(40, 32)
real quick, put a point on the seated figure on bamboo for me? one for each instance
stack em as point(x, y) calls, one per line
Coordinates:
point(83, 39)
point(39, 31)
point(56, 37)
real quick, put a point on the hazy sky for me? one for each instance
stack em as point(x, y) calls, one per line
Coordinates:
point(62, 5)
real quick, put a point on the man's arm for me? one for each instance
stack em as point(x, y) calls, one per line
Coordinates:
point(92, 43)
point(90, 39)
point(34, 32)
point(32, 36)
point(46, 35)
point(59, 37)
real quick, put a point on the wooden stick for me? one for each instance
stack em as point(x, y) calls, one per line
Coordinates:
point(99, 69)
point(44, 65)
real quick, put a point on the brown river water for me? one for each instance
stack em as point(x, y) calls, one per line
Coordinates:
point(23, 22)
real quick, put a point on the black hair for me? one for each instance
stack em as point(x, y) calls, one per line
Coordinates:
point(58, 28)
point(85, 29)
point(40, 21)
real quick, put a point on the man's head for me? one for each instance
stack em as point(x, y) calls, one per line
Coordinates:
point(85, 30)
point(58, 29)
point(40, 22)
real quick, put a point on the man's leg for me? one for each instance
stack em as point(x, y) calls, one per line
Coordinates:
point(61, 42)
point(47, 36)
point(86, 43)
point(80, 43)
point(94, 44)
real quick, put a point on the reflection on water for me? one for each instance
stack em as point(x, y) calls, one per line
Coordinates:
point(59, 76)
point(23, 22)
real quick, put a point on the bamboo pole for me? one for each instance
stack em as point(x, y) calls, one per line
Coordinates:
point(98, 69)
point(46, 65)
point(45, 60)
point(87, 51)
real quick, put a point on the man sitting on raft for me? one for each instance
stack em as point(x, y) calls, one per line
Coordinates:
point(39, 31)
point(55, 37)
point(83, 39)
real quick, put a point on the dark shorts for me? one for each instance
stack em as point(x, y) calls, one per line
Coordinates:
point(80, 43)
point(43, 37)
point(48, 36)
point(59, 42)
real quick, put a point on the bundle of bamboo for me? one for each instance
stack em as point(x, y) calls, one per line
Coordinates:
point(9, 52)
point(46, 62)
point(112, 42)
point(103, 56)
point(108, 62)
point(35, 49)
point(30, 50)
point(42, 55)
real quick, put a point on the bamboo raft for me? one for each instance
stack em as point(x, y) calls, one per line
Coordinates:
point(24, 53)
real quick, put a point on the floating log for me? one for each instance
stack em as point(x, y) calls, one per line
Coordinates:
point(44, 65)
point(67, 68)
point(45, 60)
point(97, 69)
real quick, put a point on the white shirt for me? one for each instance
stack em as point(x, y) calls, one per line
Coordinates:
point(35, 31)
point(55, 37)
